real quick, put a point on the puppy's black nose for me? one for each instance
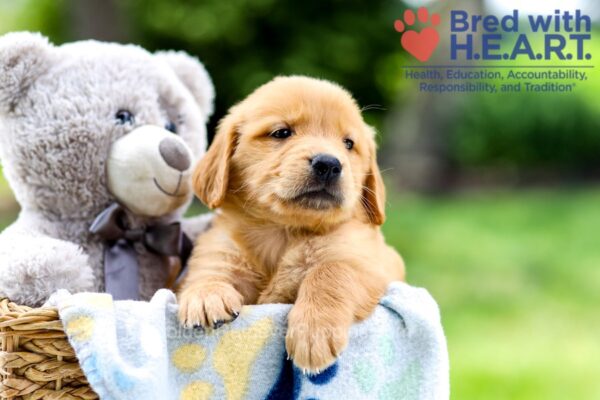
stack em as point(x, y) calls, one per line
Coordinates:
point(174, 154)
point(326, 168)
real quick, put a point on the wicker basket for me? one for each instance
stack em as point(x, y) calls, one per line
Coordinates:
point(36, 360)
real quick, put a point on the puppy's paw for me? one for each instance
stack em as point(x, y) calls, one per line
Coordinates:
point(312, 343)
point(209, 306)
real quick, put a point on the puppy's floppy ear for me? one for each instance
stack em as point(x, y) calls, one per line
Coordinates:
point(373, 195)
point(211, 176)
point(192, 73)
point(24, 56)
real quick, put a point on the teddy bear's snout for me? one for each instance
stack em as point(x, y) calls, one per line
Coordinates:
point(175, 154)
point(148, 171)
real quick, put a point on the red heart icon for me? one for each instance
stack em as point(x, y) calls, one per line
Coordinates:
point(420, 44)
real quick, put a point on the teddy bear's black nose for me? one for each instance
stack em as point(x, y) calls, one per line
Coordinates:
point(174, 153)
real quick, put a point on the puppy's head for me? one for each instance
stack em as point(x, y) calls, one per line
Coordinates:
point(297, 152)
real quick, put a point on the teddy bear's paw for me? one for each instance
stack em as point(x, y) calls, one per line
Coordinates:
point(209, 305)
point(314, 344)
point(34, 267)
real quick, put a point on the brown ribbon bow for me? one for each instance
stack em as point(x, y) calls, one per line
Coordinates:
point(121, 267)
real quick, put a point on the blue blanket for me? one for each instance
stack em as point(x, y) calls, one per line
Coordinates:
point(137, 350)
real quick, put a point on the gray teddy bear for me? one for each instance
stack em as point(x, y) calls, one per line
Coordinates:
point(96, 134)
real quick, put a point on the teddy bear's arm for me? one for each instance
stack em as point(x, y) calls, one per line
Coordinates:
point(194, 226)
point(34, 265)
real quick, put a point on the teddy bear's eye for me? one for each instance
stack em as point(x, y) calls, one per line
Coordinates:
point(171, 127)
point(124, 117)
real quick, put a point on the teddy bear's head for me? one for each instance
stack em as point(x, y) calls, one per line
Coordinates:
point(87, 123)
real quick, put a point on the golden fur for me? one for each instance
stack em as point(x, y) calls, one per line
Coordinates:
point(327, 257)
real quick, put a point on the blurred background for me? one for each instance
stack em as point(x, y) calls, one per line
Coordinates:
point(494, 200)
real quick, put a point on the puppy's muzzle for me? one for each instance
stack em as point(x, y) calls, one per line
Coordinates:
point(326, 169)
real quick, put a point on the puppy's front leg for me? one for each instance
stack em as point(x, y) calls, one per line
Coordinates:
point(331, 297)
point(218, 283)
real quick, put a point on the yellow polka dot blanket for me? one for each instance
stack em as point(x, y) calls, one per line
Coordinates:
point(137, 350)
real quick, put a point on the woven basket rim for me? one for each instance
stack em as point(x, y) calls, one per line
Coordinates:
point(36, 359)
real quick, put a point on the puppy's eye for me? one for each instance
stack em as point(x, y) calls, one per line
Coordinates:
point(171, 127)
point(124, 117)
point(283, 133)
point(349, 143)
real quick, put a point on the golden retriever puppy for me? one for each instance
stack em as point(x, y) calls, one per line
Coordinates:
point(294, 173)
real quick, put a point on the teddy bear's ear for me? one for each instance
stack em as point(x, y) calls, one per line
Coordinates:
point(193, 75)
point(23, 57)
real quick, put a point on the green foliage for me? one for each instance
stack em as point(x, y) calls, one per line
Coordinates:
point(552, 131)
point(47, 16)
point(245, 43)
point(557, 131)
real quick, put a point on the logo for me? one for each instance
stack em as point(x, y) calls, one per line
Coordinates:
point(420, 44)
point(563, 35)
point(513, 52)
point(559, 36)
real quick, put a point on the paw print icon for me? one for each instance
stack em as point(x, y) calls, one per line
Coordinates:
point(420, 44)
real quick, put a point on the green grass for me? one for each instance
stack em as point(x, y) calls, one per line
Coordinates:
point(517, 277)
